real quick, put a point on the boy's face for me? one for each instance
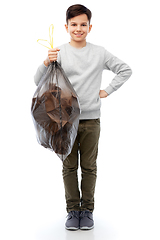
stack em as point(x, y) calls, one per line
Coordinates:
point(78, 28)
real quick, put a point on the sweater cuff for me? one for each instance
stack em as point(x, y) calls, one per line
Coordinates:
point(109, 90)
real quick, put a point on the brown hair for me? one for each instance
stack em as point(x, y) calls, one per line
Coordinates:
point(76, 10)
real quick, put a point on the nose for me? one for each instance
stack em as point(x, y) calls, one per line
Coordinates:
point(78, 28)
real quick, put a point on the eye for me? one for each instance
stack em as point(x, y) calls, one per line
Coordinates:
point(84, 25)
point(73, 24)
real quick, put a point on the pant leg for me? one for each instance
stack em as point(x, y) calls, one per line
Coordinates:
point(70, 178)
point(89, 137)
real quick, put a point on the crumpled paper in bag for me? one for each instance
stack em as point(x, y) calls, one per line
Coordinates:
point(55, 110)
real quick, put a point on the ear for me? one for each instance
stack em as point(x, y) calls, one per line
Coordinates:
point(66, 26)
point(90, 27)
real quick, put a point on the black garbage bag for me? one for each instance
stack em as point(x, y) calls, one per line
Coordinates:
point(55, 110)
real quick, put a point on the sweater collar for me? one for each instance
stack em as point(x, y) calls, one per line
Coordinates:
point(78, 49)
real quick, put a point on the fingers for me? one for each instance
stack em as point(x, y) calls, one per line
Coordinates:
point(103, 94)
point(53, 54)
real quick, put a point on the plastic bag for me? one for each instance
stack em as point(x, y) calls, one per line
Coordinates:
point(55, 110)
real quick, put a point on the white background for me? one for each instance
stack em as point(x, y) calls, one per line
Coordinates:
point(32, 203)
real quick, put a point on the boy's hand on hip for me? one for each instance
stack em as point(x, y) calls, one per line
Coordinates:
point(52, 56)
point(103, 94)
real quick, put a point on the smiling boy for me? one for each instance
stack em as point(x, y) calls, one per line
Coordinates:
point(78, 28)
point(83, 64)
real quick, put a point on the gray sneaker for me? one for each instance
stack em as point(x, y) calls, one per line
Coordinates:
point(72, 222)
point(86, 220)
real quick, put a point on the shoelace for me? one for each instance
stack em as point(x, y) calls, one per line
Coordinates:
point(84, 214)
point(74, 214)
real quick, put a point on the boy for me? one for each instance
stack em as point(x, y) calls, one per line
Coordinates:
point(83, 64)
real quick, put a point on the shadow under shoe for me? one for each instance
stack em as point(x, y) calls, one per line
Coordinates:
point(72, 222)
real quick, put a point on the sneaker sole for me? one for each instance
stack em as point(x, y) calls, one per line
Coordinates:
point(71, 228)
point(86, 228)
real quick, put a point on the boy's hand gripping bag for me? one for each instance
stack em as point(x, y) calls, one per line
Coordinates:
point(55, 110)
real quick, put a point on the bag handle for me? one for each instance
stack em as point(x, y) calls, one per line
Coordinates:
point(51, 28)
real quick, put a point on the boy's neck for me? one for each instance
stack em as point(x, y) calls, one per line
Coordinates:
point(78, 44)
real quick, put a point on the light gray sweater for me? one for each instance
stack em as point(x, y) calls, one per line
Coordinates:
point(84, 68)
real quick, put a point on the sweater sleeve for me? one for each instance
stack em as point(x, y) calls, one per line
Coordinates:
point(121, 69)
point(40, 72)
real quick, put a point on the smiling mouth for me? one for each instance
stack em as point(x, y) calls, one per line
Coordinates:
point(78, 34)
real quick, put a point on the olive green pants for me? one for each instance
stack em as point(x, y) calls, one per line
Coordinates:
point(85, 149)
